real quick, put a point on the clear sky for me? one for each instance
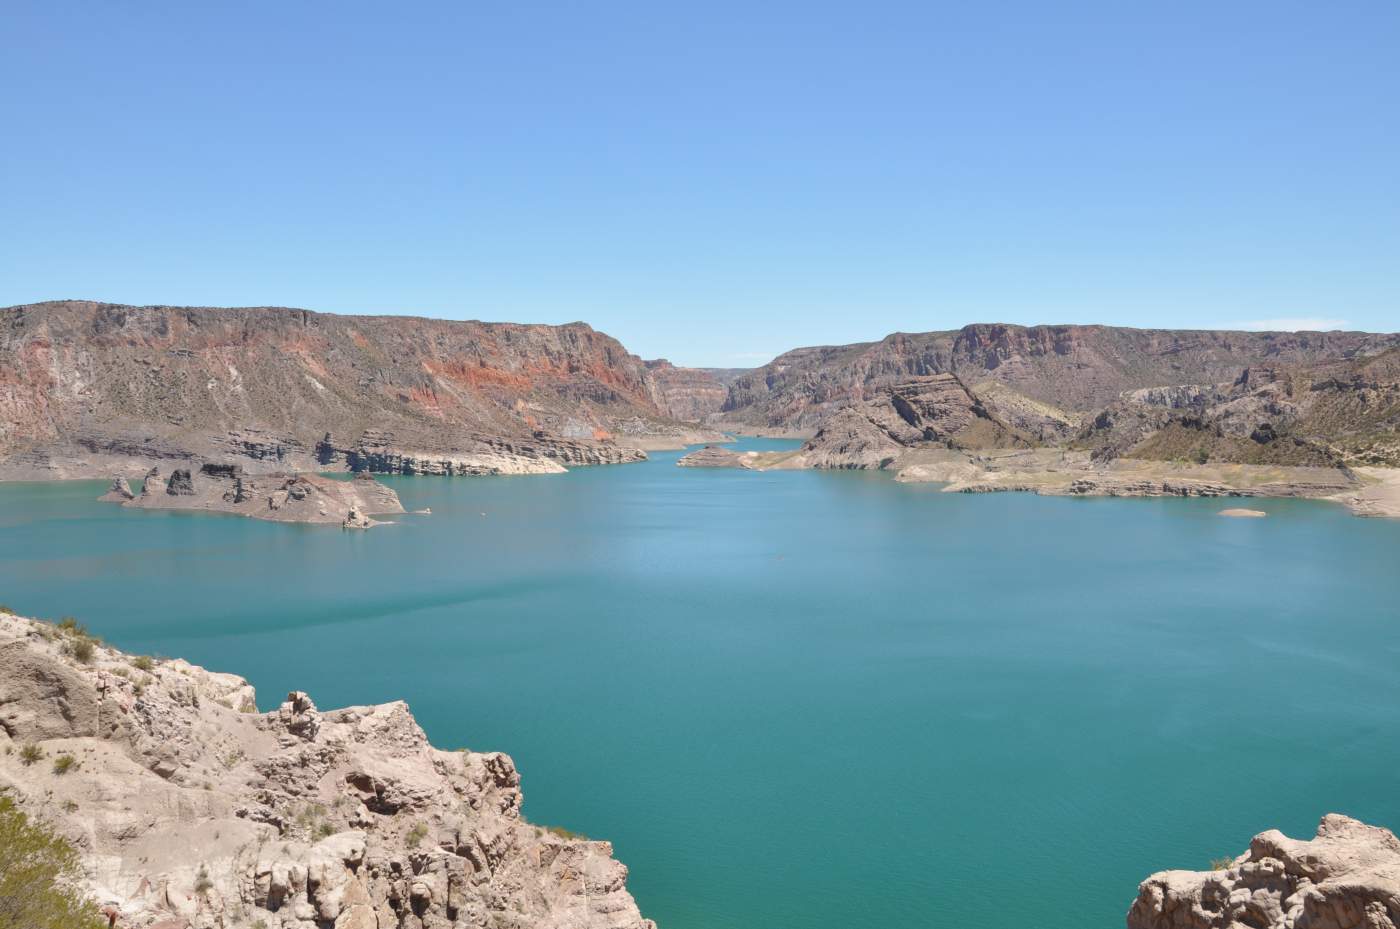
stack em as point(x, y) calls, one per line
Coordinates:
point(711, 182)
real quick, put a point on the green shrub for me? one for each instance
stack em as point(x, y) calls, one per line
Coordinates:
point(64, 763)
point(143, 662)
point(563, 833)
point(202, 884)
point(30, 753)
point(83, 649)
point(5, 610)
point(39, 877)
point(1222, 864)
point(416, 835)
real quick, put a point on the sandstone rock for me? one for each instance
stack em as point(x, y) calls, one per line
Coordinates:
point(192, 809)
point(1347, 877)
point(1241, 513)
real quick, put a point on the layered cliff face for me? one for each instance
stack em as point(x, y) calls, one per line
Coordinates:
point(1325, 415)
point(691, 394)
point(85, 387)
point(1347, 877)
point(192, 809)
point(1069, 368)
point(922, 412)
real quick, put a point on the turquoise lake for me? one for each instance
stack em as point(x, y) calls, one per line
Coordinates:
point(807, 700)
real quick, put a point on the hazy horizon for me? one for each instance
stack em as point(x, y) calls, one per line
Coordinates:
point(713, 185)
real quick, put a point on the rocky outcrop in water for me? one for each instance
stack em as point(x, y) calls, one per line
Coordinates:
point(288, 498)
point(1347, 877)
point(717, 456)
point(192, 809)
point(90, 389)
point(118, 492)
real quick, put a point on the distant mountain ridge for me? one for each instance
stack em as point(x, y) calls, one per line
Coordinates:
point(1072, 368)
point(89, 387)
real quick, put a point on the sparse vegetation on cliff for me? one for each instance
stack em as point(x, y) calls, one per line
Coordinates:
point(39, 874)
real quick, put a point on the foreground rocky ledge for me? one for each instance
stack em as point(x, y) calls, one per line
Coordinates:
point(1348, 877)
point(287, 498)
point(192, 809)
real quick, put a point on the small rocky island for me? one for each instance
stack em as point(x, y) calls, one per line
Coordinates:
point(717, 456)
point(287, 498)
point(192, 810)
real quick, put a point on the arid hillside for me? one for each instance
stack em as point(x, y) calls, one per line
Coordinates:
point(1075, 369)
point(86, 387)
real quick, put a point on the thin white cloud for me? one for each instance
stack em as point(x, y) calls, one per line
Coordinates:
point(1293, 324)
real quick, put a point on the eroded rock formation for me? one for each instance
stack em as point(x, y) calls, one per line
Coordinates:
point(288, 498)
point(1347, 877)
point(192, 809)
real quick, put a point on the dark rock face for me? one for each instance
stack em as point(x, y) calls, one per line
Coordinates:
point(222, 471)
point(180, 483)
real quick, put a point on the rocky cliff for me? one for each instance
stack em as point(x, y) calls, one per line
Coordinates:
point(1347, 877)
point(90, 389)
point(192, 809)
point(1328, 414)
point(691, 394)
point(1068, 368)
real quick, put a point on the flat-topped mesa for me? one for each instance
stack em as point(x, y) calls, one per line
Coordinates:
point(95, 389)
point(1347, 877)
point(288, 498)
point(192, 809)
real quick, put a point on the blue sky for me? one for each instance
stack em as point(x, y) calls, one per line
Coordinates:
point(711, 182)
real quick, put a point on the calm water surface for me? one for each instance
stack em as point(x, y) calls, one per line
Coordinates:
point(807, 700)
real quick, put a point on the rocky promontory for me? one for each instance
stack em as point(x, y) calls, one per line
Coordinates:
point(287, 498)
point(193, 810)
point(1346, 877)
